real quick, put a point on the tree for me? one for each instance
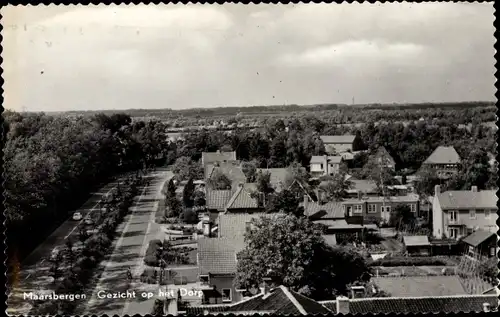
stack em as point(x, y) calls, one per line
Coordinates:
point(250, 171)
point(335, 187)
point(295, 253)
point(199, 198)
point(172, 204)
point(185, 168)
point(187, 194)
point(401, 215)
point(296, 172)
point(70, 254)
point(219, 181)
point(189, 216)
point(286, 202)
point(425, 183)
point(55, 266)
point(264, 186)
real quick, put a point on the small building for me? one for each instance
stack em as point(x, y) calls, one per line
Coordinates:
point(324, 165)
point(480, 244)
point(218, 156)
point(444, 161)
point(417, 245)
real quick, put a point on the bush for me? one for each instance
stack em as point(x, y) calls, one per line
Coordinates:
point(158, 308)
point(151, 260)
point(410, 261)
point(149, 276)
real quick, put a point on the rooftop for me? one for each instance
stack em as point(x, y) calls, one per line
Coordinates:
point(216, 256)
point(332, 209)
point(242, 197)
point(443, 155)
point(217, 199)
point(466, 199)
point(342, 139)
point(210, 157)
point(394, 199)
point(478, 237)
point(232, 226)
point(414, 241)
point(317, 159)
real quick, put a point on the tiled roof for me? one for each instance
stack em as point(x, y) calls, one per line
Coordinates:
point(332, 209)
point(420, 286)
point(231, 169)
point(210, 157)
point(217, 199)
point(382, 152)
point(232, 226)
point(278, 175)
point(443, 155)
point(416, 241)
point(328, 139)
point(200, 310)
point(478, 237)
point(336, 159)
point(445, 304)
point(216, 256)
point(466, 199)
point(242, 198)
point(281, 301)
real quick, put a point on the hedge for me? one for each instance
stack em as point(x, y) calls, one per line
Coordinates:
point(410, 261)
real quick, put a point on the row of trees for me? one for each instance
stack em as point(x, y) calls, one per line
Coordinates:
point(83, 261)
point(52, 163)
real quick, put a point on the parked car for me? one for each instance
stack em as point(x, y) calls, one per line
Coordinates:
point(77, 216)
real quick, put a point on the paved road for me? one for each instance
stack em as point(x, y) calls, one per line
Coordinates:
point(130, 246)
point(34, 271)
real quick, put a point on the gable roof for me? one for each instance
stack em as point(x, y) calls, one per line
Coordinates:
point(414, 241)
point(242, 199)
point(410, 198)
point(382, 152)
point(465, 199)
point(443, 155)
point(232, 226)
point(278, 175)
point(434, 304)
point(478, 237)
point(332, 209)
point(210, 157)
point(362, 185)
point(338, 139)
point(216, 256)
point(231, 169)
point(317, 159)
point(217, 199)
point(420, 285)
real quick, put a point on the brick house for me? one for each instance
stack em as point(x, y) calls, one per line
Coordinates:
point(444, 161)
point(458, 213)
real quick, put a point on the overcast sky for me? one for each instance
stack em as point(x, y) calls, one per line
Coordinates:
point(177, 56)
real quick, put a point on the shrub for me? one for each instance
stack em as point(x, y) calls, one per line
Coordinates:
point(158, 308)
point(151, 260)
point(410, 261)
point(149, 276)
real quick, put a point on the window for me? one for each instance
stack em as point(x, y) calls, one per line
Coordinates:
point(348, 210)
point(204, 279)
point(226, 294)
point(358, 209)
point(321, 166)
point(386, 208)
point(493, 251)
point(453, 233)
point(372, 208)
point(472, 214)
point(453, 216)
point(413, 207)
point(487, 214)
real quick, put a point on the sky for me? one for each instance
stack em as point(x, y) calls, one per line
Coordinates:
point(59, 58)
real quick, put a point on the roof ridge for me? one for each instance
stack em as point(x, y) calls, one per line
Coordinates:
point(233, 198)
point(293, 300)
point(411, 297)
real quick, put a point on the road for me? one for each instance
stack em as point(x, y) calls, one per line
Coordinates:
point(34, 271)
point(129, 247)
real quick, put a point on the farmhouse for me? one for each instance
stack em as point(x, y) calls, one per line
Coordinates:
point(341, 143)
point(444, 161)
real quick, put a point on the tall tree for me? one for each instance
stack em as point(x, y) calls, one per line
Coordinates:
point(172, 204)
point(250, 171)
point(187, 194)
point(294, 251)
point(285, 202)
point(335, 187)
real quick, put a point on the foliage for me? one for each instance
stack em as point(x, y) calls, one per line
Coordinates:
point(187, 194)
point(250, 171)
point(410, 261)
point(199, 198)
point(401, 215)
point(219, 181)
point(336, 187)
point(158, 308)
point(293, 251)
point(185, 168)
point(172, 204)
point(286, 202)
point(189, 216)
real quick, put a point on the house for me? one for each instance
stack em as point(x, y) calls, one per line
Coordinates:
point(218, 156)
point(280, 300)
point(232, 226)
point(481, 243)
point(458, 213)
point(417, 245)
point(379, 208)
point(444, 161)
point(382, 158)
point(341, 143)
point(216, 270)
point(232, 169)
point(365, 187)
point(324, 165)
point(413, 305)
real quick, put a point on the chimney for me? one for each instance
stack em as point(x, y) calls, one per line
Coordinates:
point(474, 189)
point(267, 285)
point(360, 195)
point(342, 305)
point(306, 201)
point(486, 307)
point(172, 307)
point(437, 190)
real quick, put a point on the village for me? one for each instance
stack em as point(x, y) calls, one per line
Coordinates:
point(422, 251)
